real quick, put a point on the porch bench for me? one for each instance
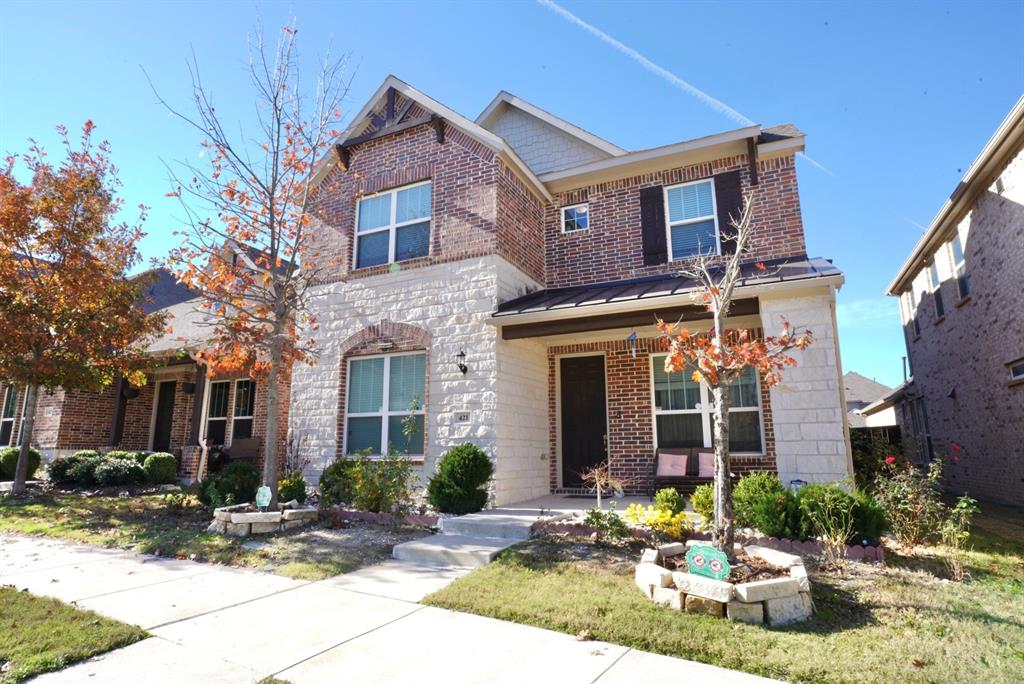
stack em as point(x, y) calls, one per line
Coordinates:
point(680, 470)
point(249, 450)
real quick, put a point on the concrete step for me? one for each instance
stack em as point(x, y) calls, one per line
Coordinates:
point(489, 526)
point(451, 549)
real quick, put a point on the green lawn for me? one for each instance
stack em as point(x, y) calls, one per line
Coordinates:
point(902, 623)
point(42, 634)
point(156, 524)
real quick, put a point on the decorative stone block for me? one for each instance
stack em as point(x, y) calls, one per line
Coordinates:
point(265, 527)
point(270, 516)
point(300, 514)
point(649, 556)
point(649, 575)
point(237, 529)
point(808, 602)
point(704, 606)
point(799, 573)
point(780, 558)
point(750, 613)
point(704, 587)
point(670, 597)
point(292, 524)
point(762, 590)
point(673, 549)
point(218, 526)
point(221, 514)
point(785, 610)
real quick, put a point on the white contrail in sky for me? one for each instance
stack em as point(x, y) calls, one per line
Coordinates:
point(665, 74)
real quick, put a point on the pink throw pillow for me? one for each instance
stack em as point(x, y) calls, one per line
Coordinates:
point(705, 465)
point(671, 465)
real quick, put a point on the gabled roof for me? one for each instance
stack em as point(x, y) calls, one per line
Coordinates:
point(1000, 148)
point(363, 120)
point(505, 98)
point(864, 390)
point(164, 291)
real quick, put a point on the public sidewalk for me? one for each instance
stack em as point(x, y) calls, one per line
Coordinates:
point(216, 624)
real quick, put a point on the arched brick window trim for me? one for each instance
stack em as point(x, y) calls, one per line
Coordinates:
point(385, 337)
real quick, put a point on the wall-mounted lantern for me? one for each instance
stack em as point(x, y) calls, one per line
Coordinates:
point(460, 361)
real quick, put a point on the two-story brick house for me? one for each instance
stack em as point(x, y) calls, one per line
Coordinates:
point(501, 278)
point(961, 295)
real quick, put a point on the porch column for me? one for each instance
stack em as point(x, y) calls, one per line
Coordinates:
point(117, 414)
point(198, 405)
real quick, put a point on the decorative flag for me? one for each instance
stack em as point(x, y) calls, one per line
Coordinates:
point(632, 343)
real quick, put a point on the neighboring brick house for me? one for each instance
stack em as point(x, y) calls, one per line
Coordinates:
point(493, 274)
point(176, 407)
point(961, 304)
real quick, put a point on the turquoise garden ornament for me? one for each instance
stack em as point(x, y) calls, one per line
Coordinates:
point(263, 497)
point(708, 562)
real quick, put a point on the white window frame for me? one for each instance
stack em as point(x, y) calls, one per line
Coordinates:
point(959, 267)
point(12, 419)
point(575, 206)
point(935, 289)
point(234, 405)
point(1010, 367)
point(206, 425)
point(705, 409)
point(384, 413)
point(392, 227)
point(669, 225)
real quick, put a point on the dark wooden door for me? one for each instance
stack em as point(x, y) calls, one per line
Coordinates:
point(584, 416)
point(164, 416)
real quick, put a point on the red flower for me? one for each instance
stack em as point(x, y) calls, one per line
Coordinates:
point(956, 447)
point(890, 459)
point(955, 459)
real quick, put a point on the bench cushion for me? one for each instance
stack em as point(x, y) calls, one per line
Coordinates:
point(706, 464)
point(671, 464)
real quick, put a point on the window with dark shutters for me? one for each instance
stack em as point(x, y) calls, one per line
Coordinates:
point(652, 225)
point(729, 198)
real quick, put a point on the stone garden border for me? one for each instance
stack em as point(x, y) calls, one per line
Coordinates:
point(241, 520)
point(778, 601)
point(858, 552)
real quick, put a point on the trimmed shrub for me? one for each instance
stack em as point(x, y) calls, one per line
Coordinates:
point(337, 483)
point(382, 485)
point(777, 514)
point(292, 486)
point(137, 456)
point(9, 462)
point(235, 483)
point(459, 484)
point(703, 502)
point(868, 518)
point(113, 472)
point(161, 468)
point(748, 494)
point(76, 469)
point(669, 499)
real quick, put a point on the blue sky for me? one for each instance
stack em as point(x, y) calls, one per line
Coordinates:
point(896, 100)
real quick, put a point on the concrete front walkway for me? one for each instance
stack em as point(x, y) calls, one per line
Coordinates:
point(215, 624)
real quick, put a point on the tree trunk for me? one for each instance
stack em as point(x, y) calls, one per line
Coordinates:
point(28, 422)
point(722, 532)
point(270, 475)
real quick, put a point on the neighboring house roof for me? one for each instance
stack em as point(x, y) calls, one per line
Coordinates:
point(1001, 147)
point(165, 291)
point(599, 298)
point(904, 390)
point(860, 392)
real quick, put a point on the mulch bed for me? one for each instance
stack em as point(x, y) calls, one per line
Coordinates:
point(745, 569)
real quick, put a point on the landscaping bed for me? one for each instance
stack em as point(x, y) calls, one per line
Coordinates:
point(902, 622)
point(176, 526)
point(40, 635)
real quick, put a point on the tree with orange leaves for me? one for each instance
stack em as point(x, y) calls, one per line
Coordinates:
point(249, 248)
point(70, 316)
point(719, 357)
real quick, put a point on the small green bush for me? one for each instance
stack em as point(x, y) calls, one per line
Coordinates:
point(607, 523)
point(778, 515)
point(750, 491)
point(235, 483)
point(703, 502)
point(292, 486)
point(912, 501)
point(76, 469)
point(113, 472)
point(669, 499)
point(337, 483)
point(137, 456)
point(161, 468)
point(9, 463)
point(382, 485)
point(868, 518)
point(86, 453)
point(459, 486)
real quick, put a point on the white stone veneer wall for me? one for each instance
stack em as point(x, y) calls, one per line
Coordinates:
point(452, 302)
point(812, 441)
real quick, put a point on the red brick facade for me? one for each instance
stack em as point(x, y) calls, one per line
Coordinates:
point(612, 248)
point(630, 413)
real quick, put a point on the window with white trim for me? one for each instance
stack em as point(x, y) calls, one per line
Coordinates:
point(576, 217)
point(393, 226)
point(1017, 369)
point(691, 219)
point(935, 285)
point(7, 415)
point(245, 403)
point(963, 282)
point(217, 413)
point(683, 410)
point(384, 393)
point(912, 312)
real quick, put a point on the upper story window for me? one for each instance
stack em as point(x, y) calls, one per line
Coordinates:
point(683, 410)
point(245, 403)
point(1017, 370)
point(935, 285)
point(692, 220)
point(385, 393)
point(910, 300)
point(393, 226)
point(576, 217)
point(10, 397)
point(963, 283)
